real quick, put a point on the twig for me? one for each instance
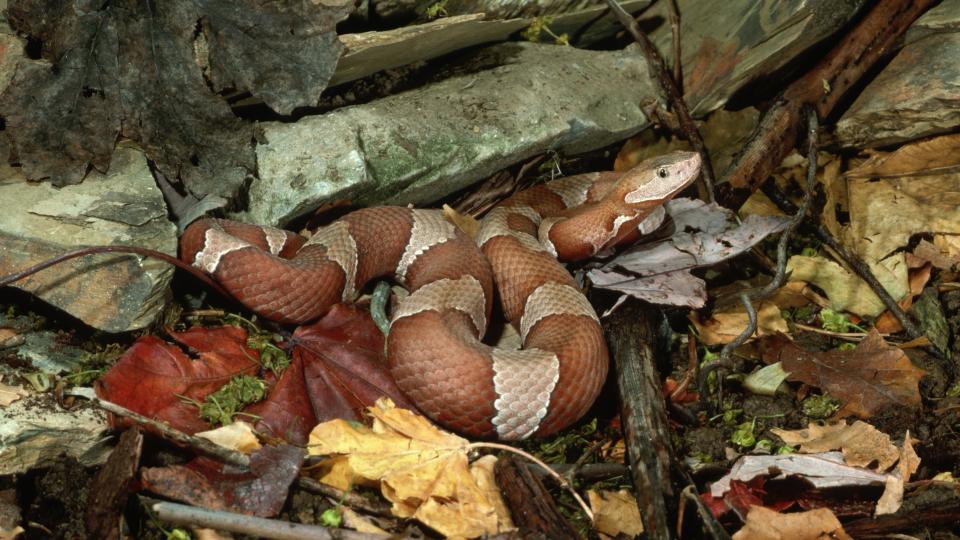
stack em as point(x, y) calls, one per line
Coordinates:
point(223, 454)
point(849, 336)
point(631, 334)
point(182, 514)
point(668, 86)
point(716, 531)
point(675, 33)
point(144, 252)
point(693, 364)
point(860, 268)
point(781, 274)
point(572, 472)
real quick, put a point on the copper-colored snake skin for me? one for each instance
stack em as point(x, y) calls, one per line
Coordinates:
point(434, 348)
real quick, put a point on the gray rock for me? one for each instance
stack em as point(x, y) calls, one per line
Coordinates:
point(36, 431)
point(370, 52)
point(111, 292)
point(729, 44)
point(420, 145)
point(918, 93)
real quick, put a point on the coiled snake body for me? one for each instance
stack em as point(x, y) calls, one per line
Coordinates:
point(433, 347)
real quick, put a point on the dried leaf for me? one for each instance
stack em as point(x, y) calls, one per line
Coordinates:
point(886, 323)
point(359, 522)
point(423, 470)
point(937, 256)
point(237, 436)
point(338, 369)
point(865, 379)
point(766, 380)
point(705, 234)
point(615, 513)
point(466, 223)
point(921, 157)
point(260, 491)
point(154, 376)
point(9, 394)
point(892, 496)
point(860, 442)
point(724, 326)
point(765, 524)
point(825, 470)
point(846, 291)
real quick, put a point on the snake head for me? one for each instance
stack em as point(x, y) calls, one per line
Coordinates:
point(655, 181)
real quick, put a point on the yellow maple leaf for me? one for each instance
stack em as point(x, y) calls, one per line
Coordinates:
point(422, 470)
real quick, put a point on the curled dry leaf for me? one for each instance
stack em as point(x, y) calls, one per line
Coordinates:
point(866, 379)
point(422, 470)
point(765, 524)
point(893, 492)
point(237, 436)
point(615, 513)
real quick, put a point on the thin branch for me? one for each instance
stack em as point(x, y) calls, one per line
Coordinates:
point(225, 455)
point(181, 514)
point(861, 268)
point(133, 250)
point(675, 32)
point(658, 69)
point(781, 275)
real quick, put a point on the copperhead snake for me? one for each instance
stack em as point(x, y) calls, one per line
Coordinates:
point(433, 348)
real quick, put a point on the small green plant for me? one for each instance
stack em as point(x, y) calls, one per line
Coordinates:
point(437, 9)
point(837, 322)
point(819, 407)
point(557, 450)
point(846, 346)
point(765, 445)
point(744, 435)
point(272, 357)
point(540, 26)
point(220, 407)
point(94, 363)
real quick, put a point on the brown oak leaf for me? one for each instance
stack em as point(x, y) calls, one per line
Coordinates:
point(866, 379)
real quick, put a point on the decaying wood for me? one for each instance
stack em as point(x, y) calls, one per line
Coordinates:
point(531, 505)
point(631, 334)
point(872, 39)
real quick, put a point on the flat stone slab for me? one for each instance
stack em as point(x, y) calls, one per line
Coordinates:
point(417, 146)
point(110, 292)
point(918, 93)
point(728, 44)
point(369, 52)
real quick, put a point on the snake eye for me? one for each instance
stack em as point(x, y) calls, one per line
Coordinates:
point(662, 172)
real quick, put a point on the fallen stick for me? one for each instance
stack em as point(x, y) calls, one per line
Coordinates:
point(631, 335)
